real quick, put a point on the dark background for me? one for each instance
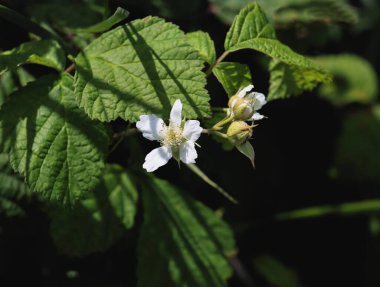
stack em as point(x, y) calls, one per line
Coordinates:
point(295, 149)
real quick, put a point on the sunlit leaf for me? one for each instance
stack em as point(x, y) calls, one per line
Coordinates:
point(140, 68)
point(52, 142)
point(232, 76)
point(202, 42)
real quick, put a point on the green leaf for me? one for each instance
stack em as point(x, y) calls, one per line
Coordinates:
point(232, 76)
point(140, 68)
point(357, 150)
point(12, 189)
point(287, 81)
point(346, 209)
point(193, 242)
point(276, 273)
point(52, 142)
point(7, 86)
point(45, 52)
point(247, 149)
point(251, 30)
point(355, 80)
point(306, 11)
point(119, 15)
point(202, 42)
point(98, 221)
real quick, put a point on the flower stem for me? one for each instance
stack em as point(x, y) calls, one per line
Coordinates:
point(210, 182)
point(221, 123)
point(70, 68)
point(220, 59)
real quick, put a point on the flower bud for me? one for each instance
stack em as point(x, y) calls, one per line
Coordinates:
point(239, 132)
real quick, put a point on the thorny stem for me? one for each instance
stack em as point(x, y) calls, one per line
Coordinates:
point(220, 59)
point(70, 68)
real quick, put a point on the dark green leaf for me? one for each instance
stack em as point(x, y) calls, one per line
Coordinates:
point(182, 242)
point(52, 142)
point(140, 68)
point(98, 221)
point(232, 76)
point(45, 52)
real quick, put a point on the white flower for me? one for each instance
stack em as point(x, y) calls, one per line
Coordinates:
point(245, 104)
point(176, 140)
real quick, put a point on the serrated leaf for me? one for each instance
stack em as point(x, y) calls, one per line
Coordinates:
point(355, 79)
point(140, 68)
point(232, 76)
point(119, 15)
point(193, 242)
point(52, 142)
point(98, 221)
point(226, 10)
point(287, 81)
point(251, 30)
point(45, 52)
point(202, 42)
point(7, 86)
point(12, 189)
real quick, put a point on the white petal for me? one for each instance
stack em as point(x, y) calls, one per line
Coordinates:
point(157, 158)
point(257, 116)
point(244, 91)
point(151, 126)
point(187, 152)
point(175, 114)
point(259, 101)
point(192, 130)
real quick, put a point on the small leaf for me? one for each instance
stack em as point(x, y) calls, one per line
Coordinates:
point(52, 142)
point(227, 10)
point(287, 81)
point(7, 86)
point(140, 68)
point(276, 273)
point(247, 149)
point(251, 30)
point(232, 76)
point(45, 52)
point(193, 242)
point(355, 80)
point(119, 15)
point(98, 221)
point(202, 42)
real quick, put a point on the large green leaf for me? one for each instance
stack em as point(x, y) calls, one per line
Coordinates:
point(251, 30)
point(182, 242)
point(45, 52)
point(12, 189)
point(52, 142)
point(202, 42)
point(232, 76)
point(140, 68)
point(355, 79)
point(98, 221)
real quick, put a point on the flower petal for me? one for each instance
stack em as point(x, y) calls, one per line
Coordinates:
point(259, 101)
point(244, 91)
point(192, 130)
point(187, 152)
point(157, 158)
point(257, 116)
point(152, 127)
point(175, 114)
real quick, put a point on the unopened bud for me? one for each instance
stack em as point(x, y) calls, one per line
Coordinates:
point(241, 108)
point(239, 132)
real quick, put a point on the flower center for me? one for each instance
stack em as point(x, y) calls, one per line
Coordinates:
point(173, 136)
